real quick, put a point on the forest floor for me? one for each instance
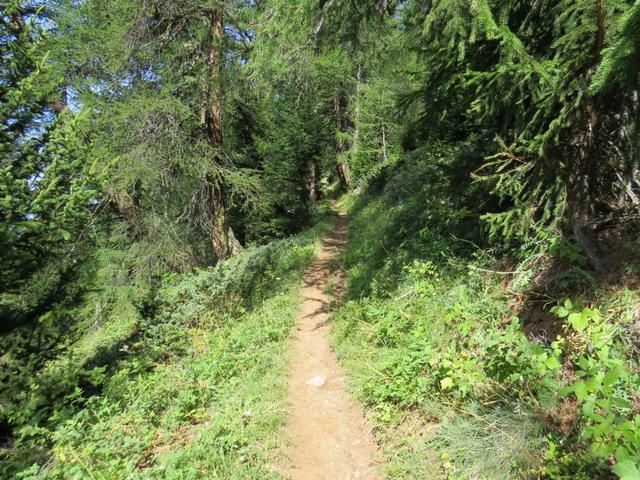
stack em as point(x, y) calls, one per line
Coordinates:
point(327, 430)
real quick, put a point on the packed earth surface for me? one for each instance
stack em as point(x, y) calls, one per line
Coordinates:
point(330, 438)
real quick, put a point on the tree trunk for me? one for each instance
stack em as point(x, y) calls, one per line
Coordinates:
point(582, 223)
point(383, 6)
point(356, 113)
point(344, 175)
point(581, 189)
point(312, 181)
point(223, 241)
point(342, 167)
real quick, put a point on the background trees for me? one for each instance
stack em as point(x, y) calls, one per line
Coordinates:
point(521, 77)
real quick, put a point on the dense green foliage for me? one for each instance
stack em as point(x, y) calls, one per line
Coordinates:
point(431, 330)
point(490, 155)
point(44, 192)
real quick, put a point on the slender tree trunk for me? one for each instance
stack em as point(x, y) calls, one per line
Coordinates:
point(312, 181)
point(356, 113)
point(582, 221)
point(382, 6)
point(223, 241)
point(582, 190)
point(342, 167)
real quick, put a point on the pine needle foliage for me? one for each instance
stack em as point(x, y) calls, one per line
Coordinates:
point(525, 76)
point(619, 66)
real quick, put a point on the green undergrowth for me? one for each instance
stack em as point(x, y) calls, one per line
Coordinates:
point(455, 388)
point(195, 388)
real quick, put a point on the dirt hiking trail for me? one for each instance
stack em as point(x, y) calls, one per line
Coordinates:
point(329, 437)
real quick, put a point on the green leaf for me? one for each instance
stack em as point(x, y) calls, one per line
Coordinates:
point(552, 363)
point(594, 383)
point(566, 391)
point(627, 470)
point(560, 311)
point(580, 389)
point(446, 383)
point(621, 402)
point(578, 321)
point(584, 363)
point(611, 377)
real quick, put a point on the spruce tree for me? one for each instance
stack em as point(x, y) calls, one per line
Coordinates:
point(46, 198)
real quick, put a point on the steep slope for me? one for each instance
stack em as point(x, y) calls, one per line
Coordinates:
point(468, 367)
point(195, 390)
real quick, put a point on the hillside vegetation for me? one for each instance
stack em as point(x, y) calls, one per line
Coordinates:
point(192, 388)
point(165, 171)
point(474, 366)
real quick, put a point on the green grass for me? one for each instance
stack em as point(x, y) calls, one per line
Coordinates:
point(211, 411)
point(396, 354)
point(196, 392)
point(404, 311)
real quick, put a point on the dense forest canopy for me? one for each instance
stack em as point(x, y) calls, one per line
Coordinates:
point(141, 140)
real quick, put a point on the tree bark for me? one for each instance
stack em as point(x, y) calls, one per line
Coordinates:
point(581, 188)
point(383, 6)
point(582, 223)
point(356, 113)
point(344, 174)
point(342, 167)
point(312, 181)
point(581, 185)
point(223, 241)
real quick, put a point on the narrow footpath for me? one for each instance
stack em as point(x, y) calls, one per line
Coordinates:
point(328, 435)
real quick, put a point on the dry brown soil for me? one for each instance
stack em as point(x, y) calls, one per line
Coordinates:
point(329, 438)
